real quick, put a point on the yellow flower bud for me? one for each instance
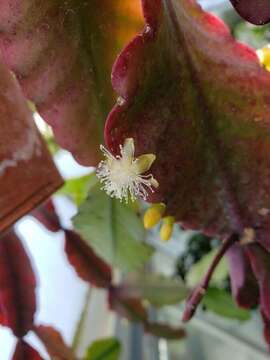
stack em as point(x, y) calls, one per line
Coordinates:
point(167, 228)
point(153, 215)
point(264, 57)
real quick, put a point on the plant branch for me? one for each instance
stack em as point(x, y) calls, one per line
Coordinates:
point(198, 293)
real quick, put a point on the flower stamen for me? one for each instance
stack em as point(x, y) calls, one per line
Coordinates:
point(121, 175)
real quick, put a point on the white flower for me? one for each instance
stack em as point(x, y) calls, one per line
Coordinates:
point(122, 174)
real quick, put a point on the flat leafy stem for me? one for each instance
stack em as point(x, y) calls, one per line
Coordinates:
point(108, 348)
point(113, 230)
point(108, 351)
point(229, 198)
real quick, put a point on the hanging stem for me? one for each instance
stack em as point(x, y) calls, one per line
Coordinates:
point(81, 323)
point(198, 293)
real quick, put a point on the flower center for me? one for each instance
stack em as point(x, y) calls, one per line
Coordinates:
point(122, 175)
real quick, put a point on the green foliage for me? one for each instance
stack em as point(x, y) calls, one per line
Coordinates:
point(78, 188)
point(52, 145)
point(113, 230)
point(255, 36)
point(200, 268)
point(156, 289)
point(105, 349)
point(220, 302)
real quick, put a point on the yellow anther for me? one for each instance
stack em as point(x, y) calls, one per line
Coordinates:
point(153, 215)
point(264, 57)
point(167, 228)
point(248, 236)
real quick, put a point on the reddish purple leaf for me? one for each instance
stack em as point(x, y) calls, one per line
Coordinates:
point(86, 263)
point(47, 215)
point(54, 343)
point(244, 286)
point(62, 53)
point(200, 101)
point(2, 318)
point(24, 351)
point(260, 262)
point(17, 285)
point(132, 309)
point(266, 330)
point(27, 173)
point(254, 11)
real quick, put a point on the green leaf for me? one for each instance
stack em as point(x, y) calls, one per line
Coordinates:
point(165, 331)
point(155, 288)
point(113, 230)
point(255, 36)
point(78, 188)
point(106, 349)
point(52, 145)
point(200, 268)
point(221, 303)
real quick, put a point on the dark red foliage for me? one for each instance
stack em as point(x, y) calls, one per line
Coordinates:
point(62, 53)
point(2, 318)
point(27, 173)
point(266, 329)
point(54, 343)
point(260, 262)
point(243, 283)
point(199, 101)
point(17, 285)
point(190, 94)
point(86, 263)
point(132, 309)
point(46, 214)
point(24, 351)
point(254, 11)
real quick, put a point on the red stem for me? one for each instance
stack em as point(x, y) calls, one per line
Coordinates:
point(198, 293)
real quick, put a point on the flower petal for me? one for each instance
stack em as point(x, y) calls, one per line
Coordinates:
point(144, 162)
point(128, 148)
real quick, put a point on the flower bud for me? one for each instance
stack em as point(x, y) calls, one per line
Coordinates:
point(153, 215)
point(264, 57)
point(167, 228)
